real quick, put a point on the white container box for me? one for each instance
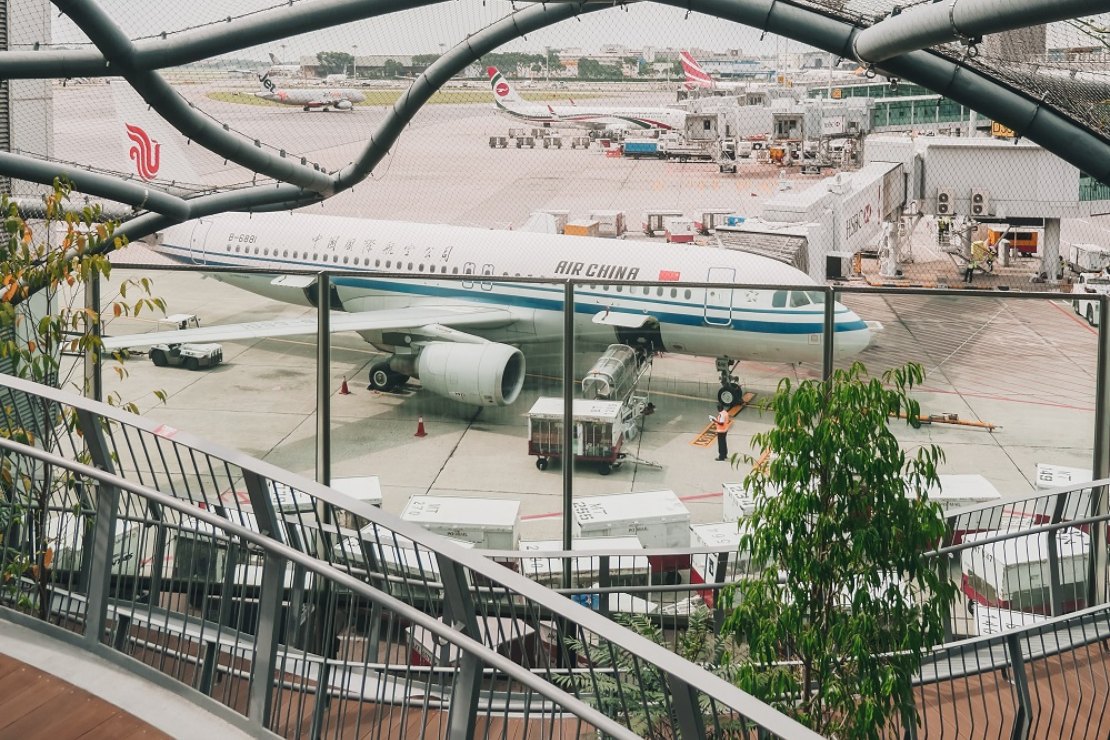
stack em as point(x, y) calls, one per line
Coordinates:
point(736, 502)
point(1013, 573)
point(653, 220)
point(712, 218)
point(657, 518)
point(703, 568)
point(365, 488)
point(491, 524)
point(1060, 476)
point(65, 535)
point(1078, 503)
point(622, 568)
point(678, 230)
point(394, 553)
point(957, 491)
point(609, 223)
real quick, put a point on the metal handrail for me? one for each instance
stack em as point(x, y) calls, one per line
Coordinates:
point(679, 673)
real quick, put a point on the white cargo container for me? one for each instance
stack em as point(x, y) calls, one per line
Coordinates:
point(992, 621)
point(623, 569)
point(1077, 504)
point(724, 536)
point(711, 218)
point(736, 502)
point(678, 230)
point(957, 491)
point(1060, 476)
point(393, 553)
point(491, 524)
point(1013, 573)
point(609, 223)
point(366, 488)
point(1088, 257)
point(65, 535)
point(657, 518)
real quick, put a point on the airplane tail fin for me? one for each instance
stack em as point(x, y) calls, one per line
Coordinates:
point(695, 75)
point(149, 148)
point(504, 93)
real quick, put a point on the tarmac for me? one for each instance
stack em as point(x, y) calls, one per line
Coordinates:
point(1026, 367)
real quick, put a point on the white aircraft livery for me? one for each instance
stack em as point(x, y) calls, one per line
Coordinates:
point(308, 98)
point(510, 103)
point(463, 338)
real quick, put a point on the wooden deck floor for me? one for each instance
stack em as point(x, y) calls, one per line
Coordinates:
point(34, 704)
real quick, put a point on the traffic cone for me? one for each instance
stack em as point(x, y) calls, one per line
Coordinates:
point(343, 389)
point(420, 427)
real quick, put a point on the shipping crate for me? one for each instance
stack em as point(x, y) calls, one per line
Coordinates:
point(678, 230)
point(491, 524)
point(657, 518)
point(724, 536)
point(582, 228)
point(65, 536)
point(1014, 574)
point(609, 223)
point(736, 502)
point(711, 219)
point(624, 569)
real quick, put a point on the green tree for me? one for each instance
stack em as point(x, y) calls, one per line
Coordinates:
point(45, 339)
point(333, 63)
point(846, 603)
point(393, 68)
point(591, 69)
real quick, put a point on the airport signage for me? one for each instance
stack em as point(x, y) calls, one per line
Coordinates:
point(1001, 132)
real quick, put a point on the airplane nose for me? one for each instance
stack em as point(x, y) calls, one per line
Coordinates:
point(854, 334)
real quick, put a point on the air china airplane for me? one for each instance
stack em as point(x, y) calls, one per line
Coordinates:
point(466, 340)
point(307, 98)
point(596, 118)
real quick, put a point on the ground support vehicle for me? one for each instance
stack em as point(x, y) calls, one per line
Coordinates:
point(1092, 285)
point(189, 356)
point(600, 431)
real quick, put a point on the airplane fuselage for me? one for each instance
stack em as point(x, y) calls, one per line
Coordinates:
point(742, 323)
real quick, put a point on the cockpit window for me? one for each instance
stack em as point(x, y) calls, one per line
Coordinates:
point(798, 299)
point(778, 300)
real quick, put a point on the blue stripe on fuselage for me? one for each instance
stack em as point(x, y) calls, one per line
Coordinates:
point(418, 286)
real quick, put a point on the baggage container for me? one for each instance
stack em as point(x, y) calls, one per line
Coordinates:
point(678, 230)
point(491, 524)
point(609, 223)
point(624, 569)
point(657, 518)
point(737, 503)
point(393, 553)
point(653, 221)
point(366, 488)
point(703, 567)
point(641, 147)
point(598, 431)
point(711, 219)
point(582, 228)
point(1014, 574)
point(1077, 504)
point(65, 535)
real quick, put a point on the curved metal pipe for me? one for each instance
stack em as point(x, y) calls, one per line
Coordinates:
point(201, 43)
point(941, 23)
point(1035, 120)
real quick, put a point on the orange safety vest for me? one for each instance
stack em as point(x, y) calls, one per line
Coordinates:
point(723, 421)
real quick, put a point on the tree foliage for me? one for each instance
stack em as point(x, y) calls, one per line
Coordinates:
point(45, 340)
point(591, 69)
point(333, 63)
point(846, 603)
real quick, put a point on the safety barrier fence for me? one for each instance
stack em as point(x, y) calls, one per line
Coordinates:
point(317, 620)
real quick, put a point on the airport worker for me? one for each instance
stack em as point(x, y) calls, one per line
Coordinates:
point(969, 271)
point(722, 422)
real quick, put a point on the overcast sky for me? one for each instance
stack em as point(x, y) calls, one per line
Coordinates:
point(424, 29)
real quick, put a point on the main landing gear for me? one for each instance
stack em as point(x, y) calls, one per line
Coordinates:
point(730, 392)
point(384, 378)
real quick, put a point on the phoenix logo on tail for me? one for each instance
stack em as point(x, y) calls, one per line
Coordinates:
point(145, 152)
point(695, 76)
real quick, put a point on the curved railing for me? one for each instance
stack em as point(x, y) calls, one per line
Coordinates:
point(313, 614)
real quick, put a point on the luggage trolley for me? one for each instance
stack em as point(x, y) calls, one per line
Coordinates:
point(598, 432)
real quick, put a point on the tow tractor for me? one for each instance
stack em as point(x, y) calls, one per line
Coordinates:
point(1086, 305)
point(608, 417)
point(190, 356)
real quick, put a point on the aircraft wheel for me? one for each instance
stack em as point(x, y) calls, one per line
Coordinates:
point(381, 377)
point(306, 109)
point(605, 468)
point(730, 395)
point(158, 357)
point(191, 363)
point(541, 463)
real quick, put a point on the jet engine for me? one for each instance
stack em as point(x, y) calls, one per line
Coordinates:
point(343, 105)
point(487, 374)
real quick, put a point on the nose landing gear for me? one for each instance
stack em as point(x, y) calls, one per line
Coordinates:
point(731, 392)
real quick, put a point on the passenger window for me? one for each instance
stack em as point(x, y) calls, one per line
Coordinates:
point(388, 263)
point(778, 300)
point(410, 267)
point(674, 292)
point(659, 292)
point(454, 271)
point(816, 297)
point(345, 259)
point(687, 294)
point(377, 263)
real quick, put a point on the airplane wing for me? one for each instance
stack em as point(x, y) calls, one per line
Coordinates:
point(439, 320)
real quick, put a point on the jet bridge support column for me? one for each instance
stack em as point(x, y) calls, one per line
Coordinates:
point(1050, 251)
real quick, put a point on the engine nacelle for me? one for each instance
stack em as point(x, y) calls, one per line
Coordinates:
point(344, 105)
point(487, 374)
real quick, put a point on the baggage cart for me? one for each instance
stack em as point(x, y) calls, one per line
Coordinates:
point(598, 432)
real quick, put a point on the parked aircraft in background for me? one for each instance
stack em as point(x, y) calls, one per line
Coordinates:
point(465, 339)
point(696, 77)
point(338, 98)
point(597, 118)
point(277, 69)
